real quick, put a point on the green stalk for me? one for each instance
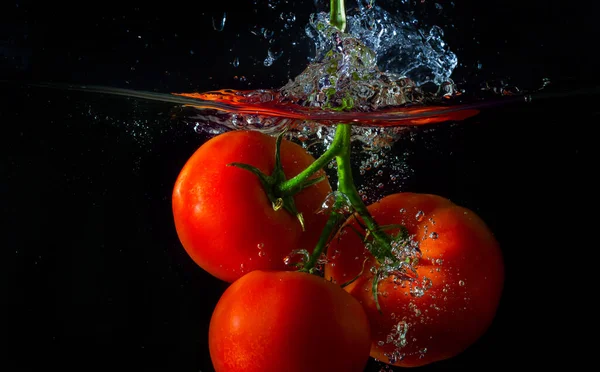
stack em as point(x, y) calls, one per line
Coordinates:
point(341, 144)
point(337, 18)
point(346, 186)
point(295, 184)
point(337, 14)
point(340, 150)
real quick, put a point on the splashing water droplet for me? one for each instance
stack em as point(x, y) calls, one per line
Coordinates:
point(236, 62)
point(288, 17)
point(218, 23)
point(267, 34)
point(461, 283)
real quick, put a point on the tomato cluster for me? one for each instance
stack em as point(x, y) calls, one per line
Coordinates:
point(273, 317)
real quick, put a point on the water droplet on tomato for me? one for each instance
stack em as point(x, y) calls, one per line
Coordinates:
point(427, 283)
point(433, 235)
point(461, 283)
point(419, 216)
point(416, 291)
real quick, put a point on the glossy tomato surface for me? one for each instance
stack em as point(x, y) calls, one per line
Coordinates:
point(223, 217)
point(288, 321)
point(453, 299)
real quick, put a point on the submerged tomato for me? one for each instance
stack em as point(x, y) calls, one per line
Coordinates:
point(288, 321)
point(223, 217)
point(453, 300)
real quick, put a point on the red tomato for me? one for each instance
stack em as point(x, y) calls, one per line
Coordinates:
point(288, 321)
point(223, 217)
point(454, 298)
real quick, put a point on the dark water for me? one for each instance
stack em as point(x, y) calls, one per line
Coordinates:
point(93, 272)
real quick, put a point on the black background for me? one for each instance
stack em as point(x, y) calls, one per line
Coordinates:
point(92, 272)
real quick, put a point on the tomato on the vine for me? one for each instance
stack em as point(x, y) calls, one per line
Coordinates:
point(288, 321)
point(223, 217)
point(449, 303)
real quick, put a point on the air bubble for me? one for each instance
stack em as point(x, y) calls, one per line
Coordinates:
point(337, 202)
point(419, 216)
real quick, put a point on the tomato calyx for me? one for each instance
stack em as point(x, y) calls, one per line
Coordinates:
point(271, 184)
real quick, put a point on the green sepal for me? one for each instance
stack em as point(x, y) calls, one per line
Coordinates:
point(271, 182)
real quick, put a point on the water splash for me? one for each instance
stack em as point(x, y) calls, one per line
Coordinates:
point(400, 46)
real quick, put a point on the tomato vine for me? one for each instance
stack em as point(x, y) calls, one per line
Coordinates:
point(348, 194)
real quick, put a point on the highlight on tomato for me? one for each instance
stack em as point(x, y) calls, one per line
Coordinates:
point(443, 290)
point(288, 321)
point(228, 222)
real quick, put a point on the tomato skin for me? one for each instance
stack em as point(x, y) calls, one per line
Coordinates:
point(466, 286)
point(223, 216)
point(288, 321)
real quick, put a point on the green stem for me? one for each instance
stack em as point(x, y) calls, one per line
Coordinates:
point(337, 14)
point(295, 184)
point(340, 150)
point(337, 18)
point(347, 187)
point(341, 143)
point(330, 227)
